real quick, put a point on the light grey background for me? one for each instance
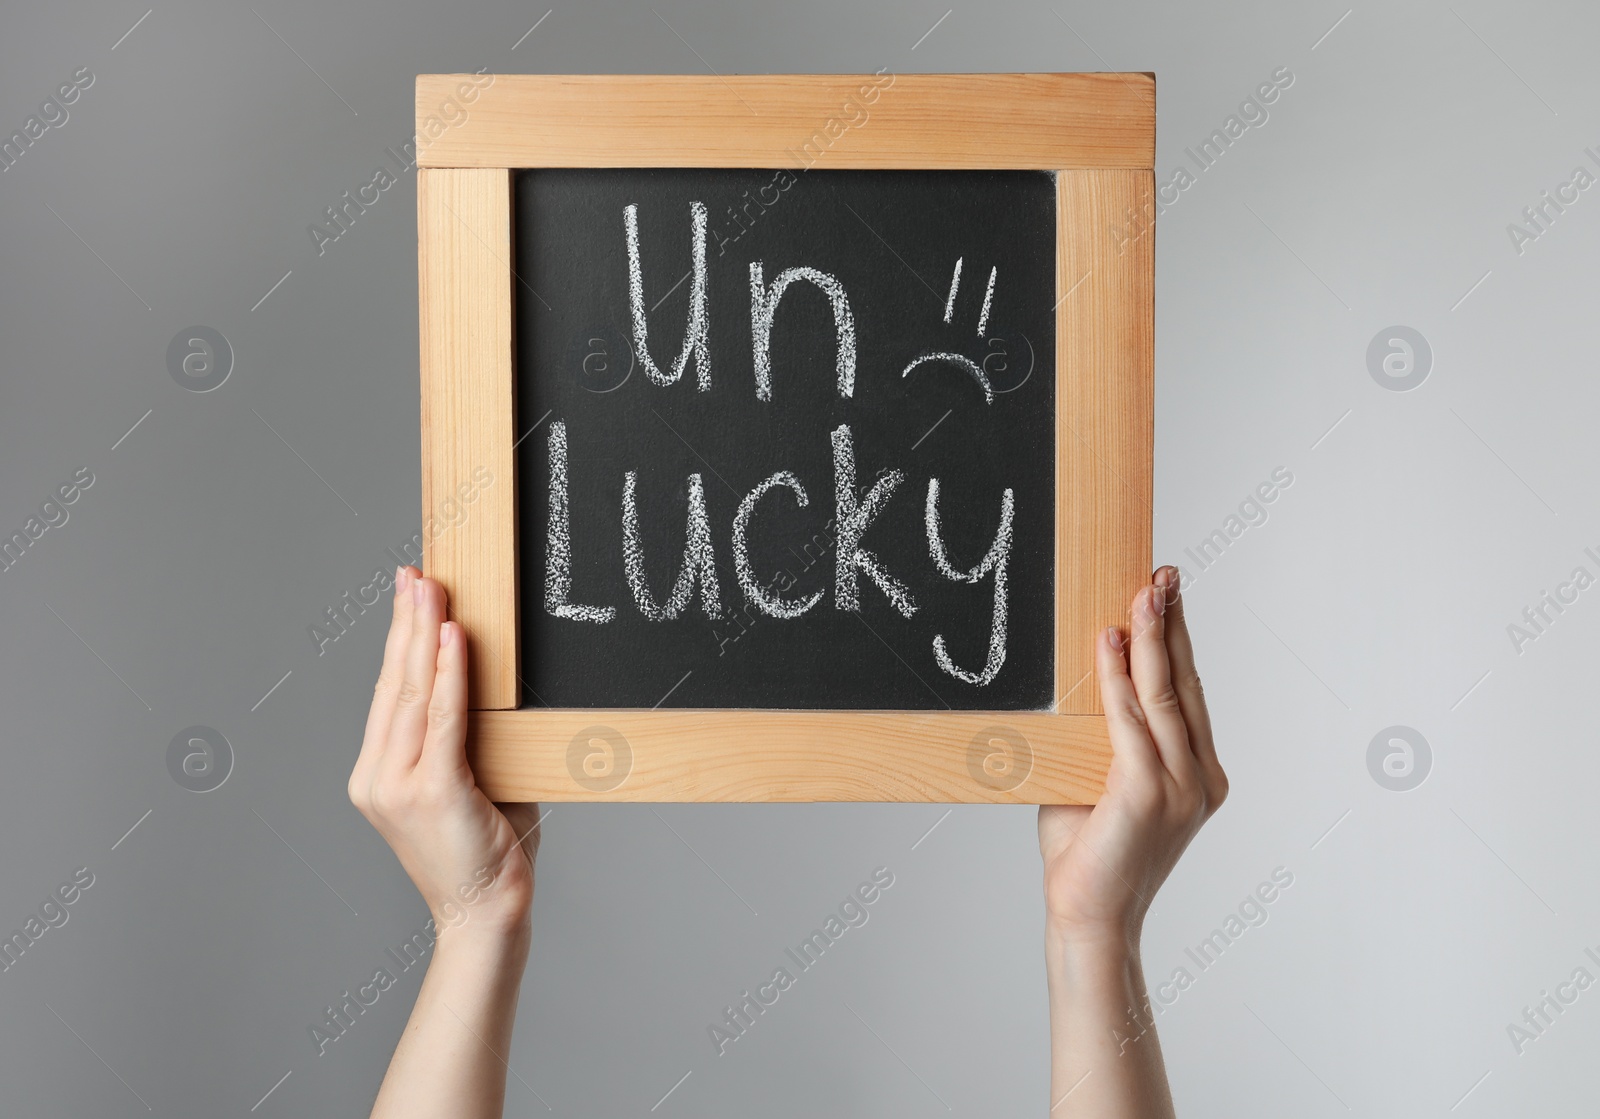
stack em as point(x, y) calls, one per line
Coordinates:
point(1418, 527)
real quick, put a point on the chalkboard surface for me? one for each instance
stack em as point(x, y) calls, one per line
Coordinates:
point(870, 354)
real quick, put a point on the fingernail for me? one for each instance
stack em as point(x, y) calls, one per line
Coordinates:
point(416, 593)
point(1158, 602)
point(402, 578)
point(1114, 636)
point(446, 632)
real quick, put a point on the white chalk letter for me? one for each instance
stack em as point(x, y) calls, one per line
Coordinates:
point(853, 518)
point(558, 549)
point(696, 335)
point(995, 561)
point(772, 605)
point(698, 562)
point(764, 305)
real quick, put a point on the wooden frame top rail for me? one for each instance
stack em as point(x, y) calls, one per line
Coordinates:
point(926, 121)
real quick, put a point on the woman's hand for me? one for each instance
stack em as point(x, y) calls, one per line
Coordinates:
point(1103, 866)
point(471, 860)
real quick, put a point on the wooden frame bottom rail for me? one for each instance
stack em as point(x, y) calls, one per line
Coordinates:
point(1000, 757)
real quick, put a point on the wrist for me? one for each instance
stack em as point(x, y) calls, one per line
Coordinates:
point(1091, 951)
point(498, 912)
point(1101, 978)
point(494, 945)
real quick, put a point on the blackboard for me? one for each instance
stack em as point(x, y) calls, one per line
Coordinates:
point(953, 378)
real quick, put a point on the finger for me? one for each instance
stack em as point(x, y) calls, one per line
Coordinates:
point(444, 746)
point(410, 720)
point(390, 675)
point(1130, 738)
point(1152, 681)
point(1185, 680)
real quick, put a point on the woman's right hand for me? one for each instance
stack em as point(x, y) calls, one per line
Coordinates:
point(1103, 865)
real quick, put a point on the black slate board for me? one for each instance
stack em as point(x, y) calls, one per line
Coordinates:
point(891, 238)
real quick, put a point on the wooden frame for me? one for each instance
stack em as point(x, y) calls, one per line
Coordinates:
point(1097, 131)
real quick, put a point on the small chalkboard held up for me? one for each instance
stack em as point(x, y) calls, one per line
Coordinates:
point(787, 438)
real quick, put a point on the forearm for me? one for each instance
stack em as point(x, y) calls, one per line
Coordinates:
point(1105, 1059)
point(452, 1061)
